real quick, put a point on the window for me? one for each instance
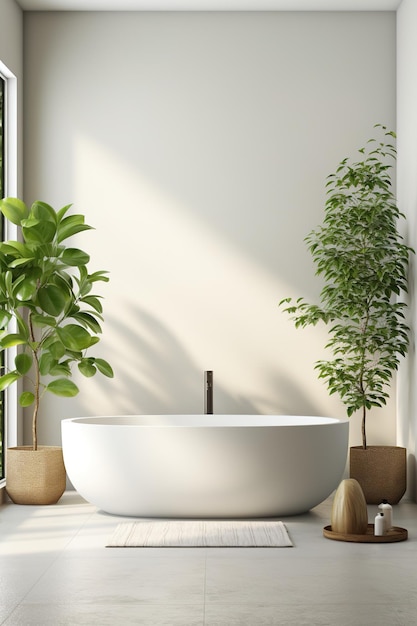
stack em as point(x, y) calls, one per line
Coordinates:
point(8, 187)
point(2, 179)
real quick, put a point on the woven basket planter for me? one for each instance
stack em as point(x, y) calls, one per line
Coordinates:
point(381, 471)
point(35, 477)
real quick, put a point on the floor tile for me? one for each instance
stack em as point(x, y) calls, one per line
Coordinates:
point(19, 574)
point(106, 615)
point(346, 614)
point(121, 581)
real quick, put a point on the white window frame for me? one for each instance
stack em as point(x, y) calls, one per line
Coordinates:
point(10, 187)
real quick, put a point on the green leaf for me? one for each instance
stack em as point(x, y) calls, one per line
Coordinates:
point(53, 299)
point(26, 398)
point(8, 282)
point(63, 387)
point(93, 302)
point(75, 337)
point(62, 212)
point(60, 369)
point(37, 231)
point(57, 349)
point(43, 212)
point(87, 368)
point(87, 320)
point(104, 367)
point(101, 275)
point(17, 249)
point(46, 362)
point(23, 363)
point(74, 257)
point(14, 210)
point(43, 320)
point(5, 318)
point(11, 340)
point(8, 379)
point(70, 226)
point(20, 262)
point(26, 289)
point(22, 326)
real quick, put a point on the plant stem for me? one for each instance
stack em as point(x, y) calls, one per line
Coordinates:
point(35, 414)
point(364, 427)
point(364, 331)
point(36, 388)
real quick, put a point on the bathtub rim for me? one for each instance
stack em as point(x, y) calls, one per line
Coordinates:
point(200, 420)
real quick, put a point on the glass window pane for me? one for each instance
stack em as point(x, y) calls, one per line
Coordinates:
point(2, 182)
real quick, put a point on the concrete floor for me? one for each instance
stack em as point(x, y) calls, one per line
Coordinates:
point(55, 569)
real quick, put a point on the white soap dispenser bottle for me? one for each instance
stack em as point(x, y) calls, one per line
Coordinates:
point(386, 509)
point(379, 529)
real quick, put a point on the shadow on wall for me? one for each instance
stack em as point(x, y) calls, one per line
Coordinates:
point(160, 377)
point(289, 394)
point(154, 374)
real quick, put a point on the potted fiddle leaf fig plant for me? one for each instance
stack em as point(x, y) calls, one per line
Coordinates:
point(50, 317)
point(363, 259)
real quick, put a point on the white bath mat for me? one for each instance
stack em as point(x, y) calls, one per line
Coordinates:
point(200, 534)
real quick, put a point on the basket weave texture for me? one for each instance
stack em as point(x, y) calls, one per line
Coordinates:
point(381, 472)
point(35, 477)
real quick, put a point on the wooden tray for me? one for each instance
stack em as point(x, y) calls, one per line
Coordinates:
point(394, 534)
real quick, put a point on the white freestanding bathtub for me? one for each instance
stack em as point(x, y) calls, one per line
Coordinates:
point(205, 465)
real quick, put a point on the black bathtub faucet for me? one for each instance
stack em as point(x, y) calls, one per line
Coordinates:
point(208, 392)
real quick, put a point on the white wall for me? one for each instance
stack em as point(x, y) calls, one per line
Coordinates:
point(407, 198)
point(198, 145)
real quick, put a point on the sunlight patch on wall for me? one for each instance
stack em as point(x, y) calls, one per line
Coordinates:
point(183, 299)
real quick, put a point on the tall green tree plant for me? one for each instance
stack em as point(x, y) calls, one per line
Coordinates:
point(45, 287)
point(363, 260)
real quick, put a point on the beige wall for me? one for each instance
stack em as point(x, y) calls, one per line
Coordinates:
point(11, 54)
point(11, 42)
point(407, 199)
point(198, 145)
